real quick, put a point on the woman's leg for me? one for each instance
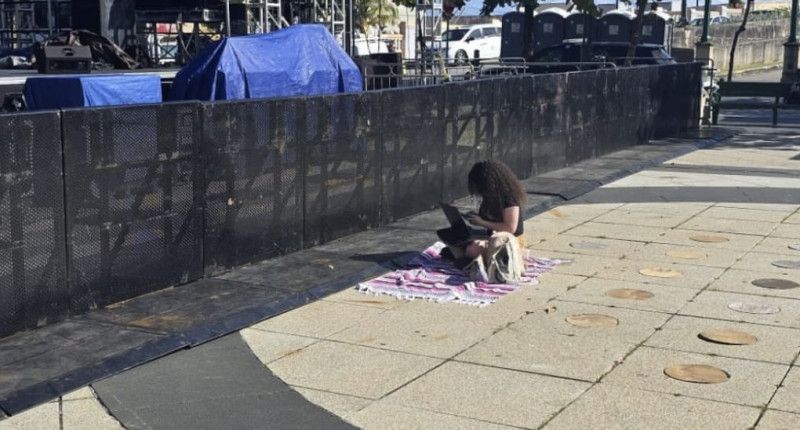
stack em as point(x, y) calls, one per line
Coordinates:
point(476, 248)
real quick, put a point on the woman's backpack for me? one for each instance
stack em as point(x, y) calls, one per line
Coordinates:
point(503, 259)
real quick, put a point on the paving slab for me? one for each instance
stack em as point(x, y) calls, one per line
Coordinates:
point(268, 346)
point(79, 414)
point(507, 397)
point(682, 334)
point(695, 277)
point(787, 398)
point(546, 343)
point(567, 243)
point(722, 212)
point(684, 208)
point(319, 319)
point(788, 208)
point(665, 299)
point(216, 385)
point(776, 420)
point(42, 417)
point(330, 366)
point(578, 264)
point(603, 175)
point(564, 188)
point(339, 404)
point(352, 296)
point(751, 383)
point(386, 414)
point(420, 329)
point(793, 219)
point(786, 230)
point(640, 218)
point(714, 304)
point(762, 262)
point(778, 245)
point(611, 407)
point(697, 256)
point(739, 242)
point(741, 281)
point(616, 231)
point(717, 225)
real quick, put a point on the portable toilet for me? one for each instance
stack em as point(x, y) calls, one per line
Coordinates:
point(548, 28)
point(512, 39)
point(614, 26)
point(578, 25)
point(656, 29)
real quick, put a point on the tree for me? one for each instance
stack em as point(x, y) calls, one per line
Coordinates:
point(739, 31)
point(375, 13)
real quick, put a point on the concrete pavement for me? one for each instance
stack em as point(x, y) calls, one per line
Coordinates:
point(709, 223)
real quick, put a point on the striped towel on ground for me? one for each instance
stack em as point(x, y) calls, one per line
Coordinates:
point(429, 277)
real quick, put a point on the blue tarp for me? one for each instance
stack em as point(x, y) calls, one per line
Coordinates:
point(67, 91)
point(298, 60)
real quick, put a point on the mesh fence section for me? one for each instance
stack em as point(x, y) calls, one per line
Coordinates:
point(549, 128)
point(342, 181)
point(33, 288)
point(469, 126)
point(254, 172)
point(513, 124)
point(134, 213)
point(581, 116)
point(412, 127)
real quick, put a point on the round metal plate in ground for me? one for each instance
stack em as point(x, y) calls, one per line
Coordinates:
point(775, 284)
point(787, 264)
point(592, 320)
point(629, 293)
point(709, 239)
point(753, 308)
point(795, 247)
point(658, 272)
point(728, 337)
point(687, 255)
point(697, 373)
point(588, 245)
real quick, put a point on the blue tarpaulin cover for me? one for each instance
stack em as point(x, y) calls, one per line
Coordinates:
point(298, 60)
point(67, 91)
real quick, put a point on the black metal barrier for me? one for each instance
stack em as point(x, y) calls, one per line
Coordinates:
point(33, 287)
point(160, 195)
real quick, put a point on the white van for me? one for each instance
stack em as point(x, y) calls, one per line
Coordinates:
point(461, 43)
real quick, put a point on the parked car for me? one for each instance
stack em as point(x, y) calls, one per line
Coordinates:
point(459, 45)
point(712, 21)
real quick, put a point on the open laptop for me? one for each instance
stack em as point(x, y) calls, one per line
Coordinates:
point(460, 231)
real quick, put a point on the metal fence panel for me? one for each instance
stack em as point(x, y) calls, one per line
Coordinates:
point(342, 181)
point(253, 161)
point(412, 145)
point(549, 129)
point(33, 288)
point(513, 117)
point(134, 214)
point(469, 126)
point(581, 115)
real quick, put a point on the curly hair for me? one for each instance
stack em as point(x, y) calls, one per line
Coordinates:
point(497, 185)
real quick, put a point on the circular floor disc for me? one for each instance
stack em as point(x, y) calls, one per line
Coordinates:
point(592, 320)
point(753, 308)
point(697, 373)
point(728, 337)
point(709, 239)
point(588, 245)
point(787, 264)
point(775, 284)
point(687, 255)
point(658, 272)
point(629, 293)
point(795, 247)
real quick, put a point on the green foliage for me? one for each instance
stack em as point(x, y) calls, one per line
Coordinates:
point(371, 13)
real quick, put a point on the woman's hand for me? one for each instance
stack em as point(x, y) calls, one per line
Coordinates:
point(475, 219)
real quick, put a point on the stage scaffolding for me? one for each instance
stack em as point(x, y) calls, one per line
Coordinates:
point(25, 22)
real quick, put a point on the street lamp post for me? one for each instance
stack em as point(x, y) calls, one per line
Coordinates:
point(706, 19)
point(683, 20)
point(790, 50)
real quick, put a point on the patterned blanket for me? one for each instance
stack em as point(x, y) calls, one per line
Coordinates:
point(428, 276)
